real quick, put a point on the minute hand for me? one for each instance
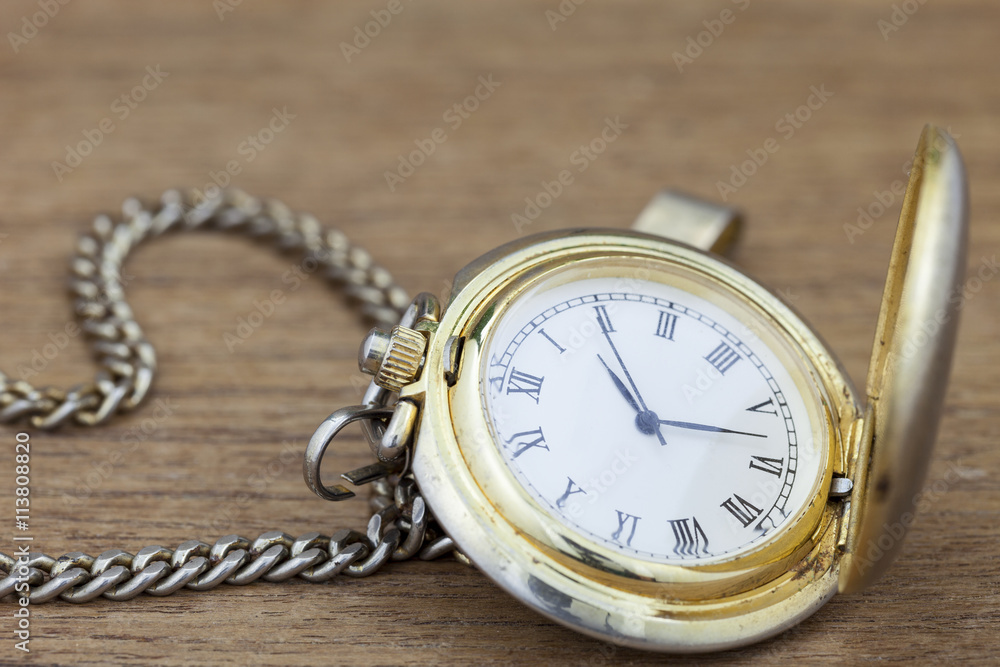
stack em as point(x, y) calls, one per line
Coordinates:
point(703, 427)
point(628, 376)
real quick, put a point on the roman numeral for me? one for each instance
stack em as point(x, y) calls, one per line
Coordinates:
point(624, 521)
point(549, 338)
point(496, 383)
point(722, 357)
point(760, 407)
point(744, 511)
point(527, 440)
point(688, 537)
point(768, 465)
point(603, 320)
point(665, 325)
point(523, 383)
point(571, 488)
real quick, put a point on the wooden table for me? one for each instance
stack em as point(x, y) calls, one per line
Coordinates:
point(162, 94)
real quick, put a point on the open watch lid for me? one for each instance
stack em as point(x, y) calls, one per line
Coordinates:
point(911, 359)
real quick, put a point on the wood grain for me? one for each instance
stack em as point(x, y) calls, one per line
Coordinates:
point(233, 410)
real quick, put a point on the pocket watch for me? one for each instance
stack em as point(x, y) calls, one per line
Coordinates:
point(619, 428)
point(636, 439)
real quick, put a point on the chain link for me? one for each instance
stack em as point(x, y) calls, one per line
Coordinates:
point(401, 526)
point(126, 358)
point(392, 535)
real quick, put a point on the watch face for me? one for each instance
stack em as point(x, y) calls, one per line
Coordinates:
point(654, 416)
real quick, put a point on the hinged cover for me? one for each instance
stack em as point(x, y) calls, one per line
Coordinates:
point(911, 360)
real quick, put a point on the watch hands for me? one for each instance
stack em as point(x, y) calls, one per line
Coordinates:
point(703, 427)
point(621, 386)
point(646, 421)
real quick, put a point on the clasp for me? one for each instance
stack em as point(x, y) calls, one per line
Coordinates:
point(395, 359)
point(322, 438)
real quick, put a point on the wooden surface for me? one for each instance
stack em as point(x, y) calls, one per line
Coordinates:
point(232, 411)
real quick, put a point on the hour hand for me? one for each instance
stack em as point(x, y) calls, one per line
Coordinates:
point(621, 386)
point(645, 420)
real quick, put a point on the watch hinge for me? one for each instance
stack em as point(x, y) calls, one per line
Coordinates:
point(453, 348)
point(840, 487)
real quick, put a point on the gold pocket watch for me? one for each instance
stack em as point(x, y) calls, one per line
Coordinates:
point(619, 428)
point(639, 441)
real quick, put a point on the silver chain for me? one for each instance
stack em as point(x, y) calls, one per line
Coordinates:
point(399, 529)
point(127, 359)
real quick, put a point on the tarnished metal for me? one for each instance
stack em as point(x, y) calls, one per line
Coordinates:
point(693, 607)
point(399, 434)
point(911, 357)
point(394, 533)
point(393, 357)
point(127, 358)
point(681, 217)
point(840, 487)
point(128, 367)
point(871, 456)
point(323, 437)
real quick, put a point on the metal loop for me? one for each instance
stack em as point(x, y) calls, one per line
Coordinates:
point(98, 287)
point(180, 578)
point(265, 561)
point(393, 533)
point(336, 564)
point(222, 570)
point(57, 584)
point(96, 586)
point(379, 557)
point(437, 548)
point(77, 399)
point(108, 405)
point(322, 438)
point(139, 582)
point(418, 527)
point(401, 523)
point(294, 565)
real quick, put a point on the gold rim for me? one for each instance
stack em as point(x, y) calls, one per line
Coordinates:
point(622, 598)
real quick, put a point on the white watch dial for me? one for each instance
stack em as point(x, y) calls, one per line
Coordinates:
point(648, 419)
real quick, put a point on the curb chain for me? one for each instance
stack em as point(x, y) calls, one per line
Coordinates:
point(127, 359)
point(401, 526)
point(400, 530)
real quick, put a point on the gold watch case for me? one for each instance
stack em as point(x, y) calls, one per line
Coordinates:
point(880, 444)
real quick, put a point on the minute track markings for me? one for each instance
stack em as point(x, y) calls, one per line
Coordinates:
point(607, 316)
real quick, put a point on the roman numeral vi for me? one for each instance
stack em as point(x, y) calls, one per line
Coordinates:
point(626, 525)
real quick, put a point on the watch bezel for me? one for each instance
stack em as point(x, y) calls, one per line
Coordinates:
point(652, 605)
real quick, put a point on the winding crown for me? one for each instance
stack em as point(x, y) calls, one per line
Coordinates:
point(393, 357)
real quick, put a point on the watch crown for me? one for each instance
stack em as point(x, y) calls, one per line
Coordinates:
point(393, 357)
